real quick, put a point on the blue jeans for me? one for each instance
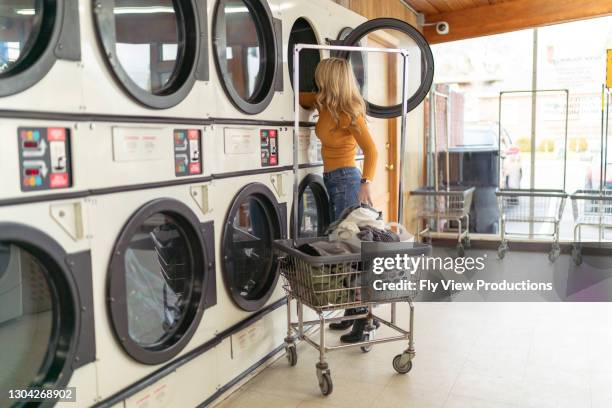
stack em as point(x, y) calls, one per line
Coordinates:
point(343, 187)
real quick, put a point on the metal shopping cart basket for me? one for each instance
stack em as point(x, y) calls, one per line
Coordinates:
point(446, 205)
point(531, 207)
point(338, 282)
point(591, 208)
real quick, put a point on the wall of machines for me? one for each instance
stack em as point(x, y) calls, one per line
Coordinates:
point(146, 167)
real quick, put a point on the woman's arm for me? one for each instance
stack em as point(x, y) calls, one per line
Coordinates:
point(307, 99)
point(365, 141)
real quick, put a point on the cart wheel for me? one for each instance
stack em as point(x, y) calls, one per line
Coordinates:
point(576, 256)
point(554, 254)
point(467, 242)
point(402, 368)
point(291, 355)
point(367, 337)
point(460, 250)
point(325, 384)
point(501, 251)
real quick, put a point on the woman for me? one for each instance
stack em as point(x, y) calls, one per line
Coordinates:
point(341, 127)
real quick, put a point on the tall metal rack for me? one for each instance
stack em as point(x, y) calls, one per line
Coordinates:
point(298, 269)
point(593, 208)
point(532, 206)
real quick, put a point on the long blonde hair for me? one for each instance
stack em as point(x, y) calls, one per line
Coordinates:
point(338, 91)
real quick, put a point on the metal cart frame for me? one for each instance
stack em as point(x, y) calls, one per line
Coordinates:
point(541, 206)
point(531, 206)
point(447, 204)
point(452, 204)
point(402, 362)
point(593, 208)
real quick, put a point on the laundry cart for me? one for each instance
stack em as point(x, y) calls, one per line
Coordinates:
point(447, 205)
point(337, 282)
point(532, 208)
point(533, 211)
point(332, 283)
point(593, 208)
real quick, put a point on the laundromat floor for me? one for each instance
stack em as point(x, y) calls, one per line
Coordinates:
point(472, 355)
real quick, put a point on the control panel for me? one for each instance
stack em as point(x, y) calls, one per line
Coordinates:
point(269, 147)
point(44, 158)
point(187, 152)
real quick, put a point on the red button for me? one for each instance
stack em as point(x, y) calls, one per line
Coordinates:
point(58, 180)
point(272, 160)
point(32, 172)
point(56, 134)
point(194, 168)
point(273, 133)
point(193, 134)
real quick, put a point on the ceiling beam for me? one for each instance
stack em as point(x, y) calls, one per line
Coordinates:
point(511, 16)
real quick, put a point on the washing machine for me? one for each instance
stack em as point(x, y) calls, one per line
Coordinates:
point(152, 239)
point(40, 54)
point(46, 302)
point(145, 59)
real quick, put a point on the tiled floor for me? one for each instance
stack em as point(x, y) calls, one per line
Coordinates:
point(476, 355)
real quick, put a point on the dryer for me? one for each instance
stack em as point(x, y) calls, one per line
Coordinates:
point(46, 306)
point(145, 59)
point(40, 54)
point(250, 197)
point(152, 240)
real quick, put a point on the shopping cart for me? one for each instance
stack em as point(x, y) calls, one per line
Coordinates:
point(591, 208)
point(531, 207)
point(337, 282)
point(451, 205)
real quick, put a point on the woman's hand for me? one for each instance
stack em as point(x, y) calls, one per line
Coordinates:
point(364, 194)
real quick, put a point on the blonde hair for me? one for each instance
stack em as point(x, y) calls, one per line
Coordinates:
point(338, 91)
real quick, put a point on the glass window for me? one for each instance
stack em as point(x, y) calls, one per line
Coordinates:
point(310, 218)
point(250, 245)
point(20, 22)
point(240, 48)
point(148, 42)
point(159, 276)
point(26, 319)
point(303, 33)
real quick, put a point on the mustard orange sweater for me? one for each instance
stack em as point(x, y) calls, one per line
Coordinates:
point(339, 146)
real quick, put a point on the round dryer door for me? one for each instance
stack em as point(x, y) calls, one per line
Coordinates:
point(38, 312)
point(151, 47)
point(250, 268)
point(30, 32)
point(358, 61)
point(303, 33)
point(384, 100)
point(245, 52)
point(156, 281)
point(313, 207)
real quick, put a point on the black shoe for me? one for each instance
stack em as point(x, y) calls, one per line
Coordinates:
point(357, 334)
point(344, 324)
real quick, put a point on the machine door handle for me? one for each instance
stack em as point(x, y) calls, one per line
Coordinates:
point(389, 167)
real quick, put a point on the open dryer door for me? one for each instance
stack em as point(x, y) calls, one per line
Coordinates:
point(402, 35)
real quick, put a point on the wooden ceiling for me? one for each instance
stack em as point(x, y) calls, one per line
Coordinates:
point(475, 18)
point(429, 7)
